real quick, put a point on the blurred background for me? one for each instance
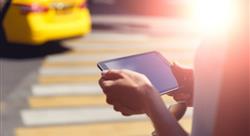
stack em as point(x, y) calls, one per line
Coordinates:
point(49, 51)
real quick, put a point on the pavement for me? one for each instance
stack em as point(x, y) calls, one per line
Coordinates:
point(57, 94)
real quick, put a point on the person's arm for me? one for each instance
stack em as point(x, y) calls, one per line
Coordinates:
point(132, 93)
point(164, 122)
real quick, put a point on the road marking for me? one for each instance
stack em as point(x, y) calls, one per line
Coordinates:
point(168, 100)
point(74, 115)
point(184, 61)
point(186, 123)
point(153, 44)
point(96, 58)
point(69, 64)
point(177, 45)
point(66, 101)
point(128, 128)
point(156, 43)
point(120, 37)
point(77, 58)
point(66, 89)
point(105, 52)
point(135, 19)
point(127, 51)
point(74, 101)
point(189, 112)
point(68, 79)
point(69, 71)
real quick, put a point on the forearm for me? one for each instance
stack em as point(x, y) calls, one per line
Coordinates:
point(164, 122)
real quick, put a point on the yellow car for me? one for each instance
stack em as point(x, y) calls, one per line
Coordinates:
point(39, 21)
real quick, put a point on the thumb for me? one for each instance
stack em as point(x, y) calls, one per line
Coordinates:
point(111, 74)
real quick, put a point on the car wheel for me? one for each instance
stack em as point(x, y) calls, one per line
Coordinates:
point(4, 10)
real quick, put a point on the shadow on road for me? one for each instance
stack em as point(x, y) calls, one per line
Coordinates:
point(121, 27)
point(22, 51)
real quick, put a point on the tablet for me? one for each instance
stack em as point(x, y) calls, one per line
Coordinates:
point(152, 64)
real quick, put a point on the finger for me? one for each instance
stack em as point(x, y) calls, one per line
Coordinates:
point(126, 114)
point(110, 101)
point(112, 74)
point(179, 91)
point(113, 88)
point(101, 82)
point(131, 73)
point(182, 97)
point(106, 83)
point(116, 108)
point(173, 93)
point(189, 103)
point(178, 110)
point(123, 109)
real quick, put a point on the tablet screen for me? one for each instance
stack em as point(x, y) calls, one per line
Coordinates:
point(151, 64)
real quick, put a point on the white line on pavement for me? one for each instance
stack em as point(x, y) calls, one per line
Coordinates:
point(74, 115)
point(189, 112)
point(97, 58)
point(156, 21)
point(116, 37)
point(79, 58)
point(69, 71)
point(66, 89)
point(153, 45)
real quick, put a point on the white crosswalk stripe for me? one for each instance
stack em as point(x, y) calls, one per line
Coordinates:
point(69, 71)
point(152, 45)
point(120, 37)
point(79, 58)
point(66, 89)
point(74, 115)
point(97, 58)
point(174, 24)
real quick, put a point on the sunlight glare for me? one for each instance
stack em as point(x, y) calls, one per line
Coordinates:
point(214, 15)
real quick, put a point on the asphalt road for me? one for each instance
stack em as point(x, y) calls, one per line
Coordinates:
point(19, 65)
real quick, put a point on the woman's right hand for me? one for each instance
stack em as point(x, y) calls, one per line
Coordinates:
point(185, 80)
point(128, 91)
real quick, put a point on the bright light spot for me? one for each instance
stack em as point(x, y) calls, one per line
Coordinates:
point(214, 16)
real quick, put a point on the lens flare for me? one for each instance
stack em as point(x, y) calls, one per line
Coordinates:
point(214, 16)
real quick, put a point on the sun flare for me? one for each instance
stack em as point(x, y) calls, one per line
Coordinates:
point(214, 15)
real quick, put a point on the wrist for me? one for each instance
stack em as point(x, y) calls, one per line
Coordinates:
point(152, 101)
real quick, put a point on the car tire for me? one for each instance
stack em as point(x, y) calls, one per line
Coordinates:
point(2, 15)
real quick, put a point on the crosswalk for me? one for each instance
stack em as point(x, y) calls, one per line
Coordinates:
point(67, 99)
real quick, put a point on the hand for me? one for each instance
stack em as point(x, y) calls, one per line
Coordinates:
point(132, 93)
point(126, 90)
point(185, 79)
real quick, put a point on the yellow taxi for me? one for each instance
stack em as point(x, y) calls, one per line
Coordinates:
point(39, 21)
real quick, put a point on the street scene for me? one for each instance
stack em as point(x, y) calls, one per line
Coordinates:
point(52, 89)
point(65, 97)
